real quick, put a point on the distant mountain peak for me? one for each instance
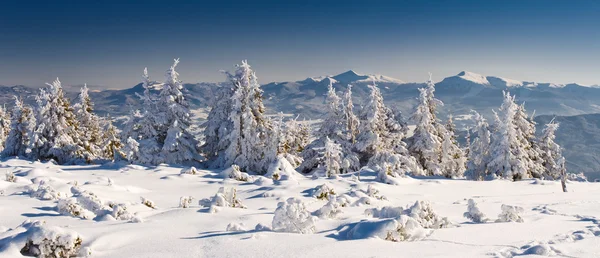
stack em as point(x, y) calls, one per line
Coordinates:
point(351, 76)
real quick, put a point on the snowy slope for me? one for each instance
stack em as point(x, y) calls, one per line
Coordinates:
point(555, 223)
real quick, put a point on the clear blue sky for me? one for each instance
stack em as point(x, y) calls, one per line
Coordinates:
point(108, 43)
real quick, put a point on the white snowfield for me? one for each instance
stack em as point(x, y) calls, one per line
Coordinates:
point(555, 223)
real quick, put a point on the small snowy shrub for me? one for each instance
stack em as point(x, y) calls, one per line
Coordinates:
point(473, 213)
point(90, 201)
point(44, 241)
point(510, 214)
point(385, 212)
point(330, 210)
point(185, 201)
point(110, 182)
point(422, 212)
point(189, 171)
point(70, 207)
point(374, 192)
point(322, 192)
point(44, 191)
point(262, 227)
point(291, 216)
point(120, 212)
point(235, 227)
point(281, 169)
point(577, 177)
point(148, 203)
point(235, 173)
point(10, 177)
point(223, 198)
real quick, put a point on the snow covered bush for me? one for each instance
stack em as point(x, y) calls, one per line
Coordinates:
point(403, 228)
point(372, 191)
point(223, 198)
point(44, 191)
point(322, 192)
point(577, 177)
point(185, 201)
point(422, 212)
point(70, 207)
point(189, 171)
point(90, 201)
point(235, 173)
point(510, 214)
point(235, 227)
point(330, 210)
point(45, 241)
point(474, 214)
point(10, 177)
point(120, 212)
point(148, 203)
point(291, 216)
point(385, 212)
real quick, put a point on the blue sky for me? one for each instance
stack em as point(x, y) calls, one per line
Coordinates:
point(108, 43)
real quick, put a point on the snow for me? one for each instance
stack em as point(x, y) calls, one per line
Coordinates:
point(351, 76)
point(473, 77)
point(554, 223)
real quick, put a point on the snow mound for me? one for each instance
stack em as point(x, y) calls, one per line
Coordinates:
point(40, 240)
point(235, 173)
point(36, 172)
point(385, 212)
point(510, 214)
point(331, 209)
point(70, 207)
point(281, 169)
point(235, 227)
point(399, 229)
point(423, 213)
point(185, 201)
point(44, 191)
point(322, 192)
point(223, 198)
point(189, 171)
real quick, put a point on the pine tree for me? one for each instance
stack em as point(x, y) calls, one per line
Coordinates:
point(21, 127)
point(334, 127)
point(151, 123)
point(217, 127)
point(333, 158)
point(89, 125)
point(111, 144)
point(509, 157)
point(250, 127)
point(4, 126)
point(56, 135)
point(352, 122)
point(452, 159)
point(479, 149)
point(379, 140)
point(426, 142)
point(178, 144)
point(551, 153)
point(526, 134)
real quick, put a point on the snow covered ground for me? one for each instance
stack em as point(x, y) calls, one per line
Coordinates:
point(555, 223)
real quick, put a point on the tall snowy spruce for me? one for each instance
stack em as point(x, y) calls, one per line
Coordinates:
point(22, 125)
point(526, 134)
point(111, 147)
point(335, 127)
point(179, 145)
point(89, 126)
point(4, 126)
point(160, 132)
point(551, 153)
point(431, 140)
point(508, 152)
point(479, 148)
point(57, 134)
point(333, 158)
point(380, 136)
point(217, 127)
point(250, 128)
point(453, 160)
point(352, 122)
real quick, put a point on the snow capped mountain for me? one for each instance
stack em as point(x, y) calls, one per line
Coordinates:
point(351, 76)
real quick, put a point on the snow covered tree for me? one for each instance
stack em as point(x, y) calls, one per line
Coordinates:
point(111, 144)
point(57, 134)
point(509, 157)
point(89, 125)
point(333, 127)
point(4, 126)
point(380, 136)
point(551, 153)
point(22, 126)
point(479, 148)
point(426, 142)
point(333, 158)
point(250, 127)
point(453, 160)
point(218, 126)
point(352, 122)
point(526, 134)
point(178, 144)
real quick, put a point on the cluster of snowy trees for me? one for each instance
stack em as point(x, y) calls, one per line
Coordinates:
point(55, 129)
point(238, 132)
